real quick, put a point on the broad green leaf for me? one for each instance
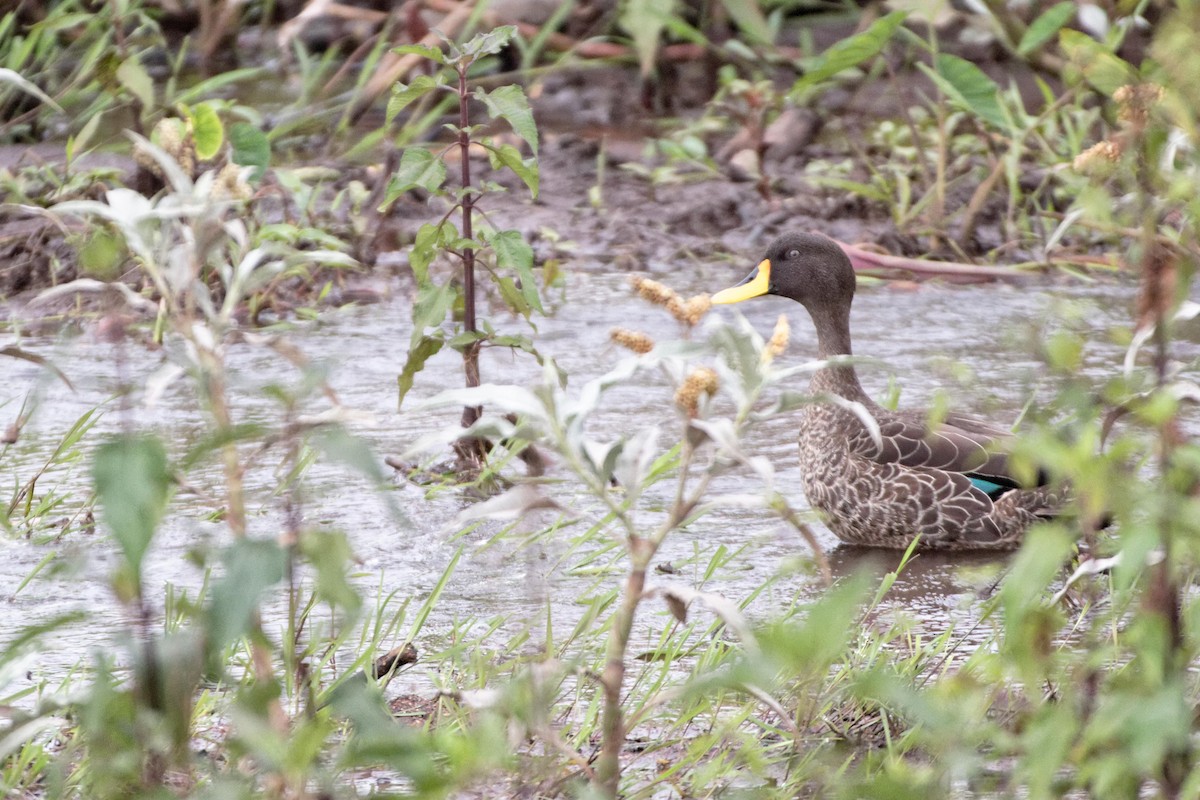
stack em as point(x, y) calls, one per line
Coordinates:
point(749, 17)
point(207, 130)
point(133, 483)
point(429, 310)
point(1094, 62)
point(513, 252)
point(210, 86)
point(251, 148)
point(510, 104)
point(524, 168)
point(1042, 29)
point(251, 567)
point(644, 21)
point(403, 95)
point(968, 87)
point(425, 349)
point(423, 50)
point(491, 42)
point(133, 76)
point(850, 52)
point(27, 86)
point(513, 296)
point(332, 556)
point(461, 341)
point(80, 141)
point(418, 168)
point(425, 248)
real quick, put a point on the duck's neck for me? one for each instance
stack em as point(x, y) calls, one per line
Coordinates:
point(833, 340)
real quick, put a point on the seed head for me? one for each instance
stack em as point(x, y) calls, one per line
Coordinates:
point(230, 184)
point(693, 310)
point(778, 341)
point(1135, 101)
point(700, 381)
point(1097, 158)
point(636, 341)
point(655, 292)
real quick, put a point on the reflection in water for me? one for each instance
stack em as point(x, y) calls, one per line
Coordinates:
point(904, 333)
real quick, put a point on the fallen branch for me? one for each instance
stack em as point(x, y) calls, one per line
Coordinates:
point(865, 261)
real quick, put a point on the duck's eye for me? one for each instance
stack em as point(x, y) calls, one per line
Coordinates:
point(793, 253)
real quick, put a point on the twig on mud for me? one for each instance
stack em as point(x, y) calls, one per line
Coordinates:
point(865, 260)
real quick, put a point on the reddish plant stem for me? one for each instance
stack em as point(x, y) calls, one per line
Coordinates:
point(471, 354)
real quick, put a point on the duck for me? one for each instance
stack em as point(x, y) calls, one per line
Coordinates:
point(945, 484)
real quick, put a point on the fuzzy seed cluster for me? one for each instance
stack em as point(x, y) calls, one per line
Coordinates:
point(689, 311)
point(636, 341)
point(1135, 102)
point(1098, 157)
point(699, 382)
point(778, 341)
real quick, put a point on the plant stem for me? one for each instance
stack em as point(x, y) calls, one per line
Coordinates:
point(471, 353)
point(471, 452)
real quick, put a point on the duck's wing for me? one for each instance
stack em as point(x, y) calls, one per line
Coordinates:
point(959, 444)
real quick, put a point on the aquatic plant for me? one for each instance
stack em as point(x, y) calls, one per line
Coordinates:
point(505, 255)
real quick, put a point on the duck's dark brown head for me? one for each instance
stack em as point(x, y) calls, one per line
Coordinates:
point(807, 267)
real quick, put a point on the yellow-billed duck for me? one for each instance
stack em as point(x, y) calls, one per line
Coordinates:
point(948, 482)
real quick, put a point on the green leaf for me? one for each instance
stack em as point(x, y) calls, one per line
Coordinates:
point(644, 21)
point(968, 87)
point(513, 295)
point(490, 42)
point(207, 130)
point(418, 167)
point(29, 87)
point(403, 95)
point(749, 17)
point(524, 168)
point(429, 310)
point(1095, 62)
point(332, 556)
point(513, 252)
point(423, 50)
point(510, 104)
point(133, 483)
point(210, 86)
point(1045, 26)
point(425, 248)
point(425, 349)
point(251, 148)
point(251, 567)
point(133, 76)
point(850, 52)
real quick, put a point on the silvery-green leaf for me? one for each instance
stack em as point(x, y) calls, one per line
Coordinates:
point(92, 285)
point(635, 460)
point(720, 605)
point(860, 411)
point(723, 434)
point(157, 383)
point(28, 86)
point(511, 505)
point(763, 467)
point(487, 427)
point(515, 399)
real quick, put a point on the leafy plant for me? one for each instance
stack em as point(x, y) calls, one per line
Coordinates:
point(504, 254)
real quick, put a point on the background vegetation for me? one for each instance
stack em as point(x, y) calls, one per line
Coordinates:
point(186, 205)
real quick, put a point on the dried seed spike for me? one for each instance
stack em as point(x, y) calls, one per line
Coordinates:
point(1097, 157)
point(655, 292)
point(636, 341)
point(778, 341)
point(700, 381)
point(695, 308)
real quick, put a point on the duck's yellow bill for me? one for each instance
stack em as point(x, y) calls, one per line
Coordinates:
point(756, 284)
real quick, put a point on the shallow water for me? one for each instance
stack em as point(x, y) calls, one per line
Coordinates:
point(912, 334)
